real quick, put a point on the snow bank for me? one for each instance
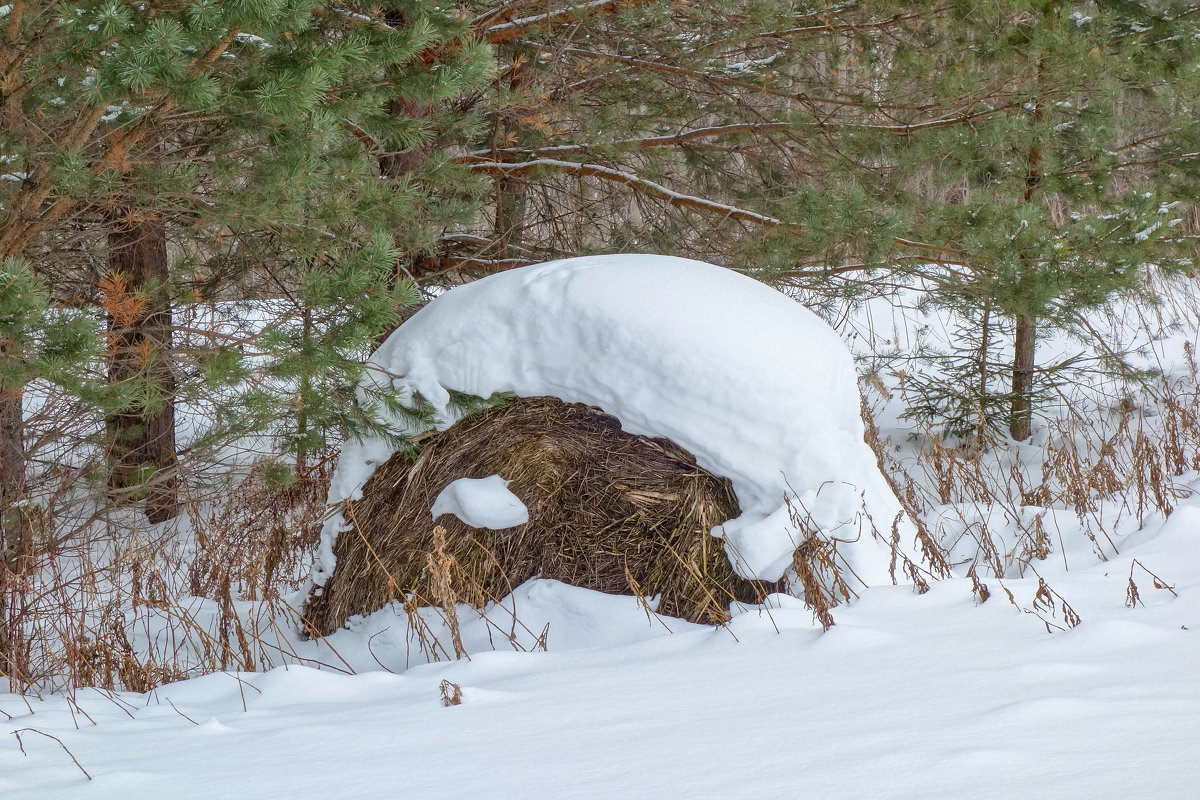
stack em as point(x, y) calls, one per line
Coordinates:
point(481, 503)
point(911, 694)
point(760, 389)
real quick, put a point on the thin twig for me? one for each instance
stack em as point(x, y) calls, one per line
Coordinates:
point(21, 744)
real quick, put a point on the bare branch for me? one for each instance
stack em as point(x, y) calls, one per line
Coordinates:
point(647, 143)
point(628, 179)
point(21, 744)
point(513, 28)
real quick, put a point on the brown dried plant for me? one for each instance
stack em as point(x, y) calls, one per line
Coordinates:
point(820, 570)
point(123, 307)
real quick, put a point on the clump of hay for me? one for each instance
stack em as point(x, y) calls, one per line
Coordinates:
point(608, 510)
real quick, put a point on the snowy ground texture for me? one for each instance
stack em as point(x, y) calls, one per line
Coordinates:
point(915, 696)
point(1062, 688)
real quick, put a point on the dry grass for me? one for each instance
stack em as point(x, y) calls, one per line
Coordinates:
point(103, 599)
point(98, 598)
point(997, 512)
point(607, 510)
point(817, 567)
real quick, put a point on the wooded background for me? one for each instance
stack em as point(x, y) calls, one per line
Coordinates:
point(171, 167)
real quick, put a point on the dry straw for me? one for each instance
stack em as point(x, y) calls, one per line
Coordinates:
point(608, 510)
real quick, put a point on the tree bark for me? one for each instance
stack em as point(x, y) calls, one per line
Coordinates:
point(405, 162)
point(510, 214)
point(511, 188)
point(16, 534)
point(1021, 418)
point(397, 165)
point(140, 346)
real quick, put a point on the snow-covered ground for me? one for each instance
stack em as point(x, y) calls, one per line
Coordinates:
point(1075, 678)
point(929, 696)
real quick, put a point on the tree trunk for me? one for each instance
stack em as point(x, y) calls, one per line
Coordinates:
point(404, 162)
point(397, 165)
point(140, 345)
point(1021, 419)
point(510, 214)
point(511, 188)
point(1020, 423)
point(16, 536)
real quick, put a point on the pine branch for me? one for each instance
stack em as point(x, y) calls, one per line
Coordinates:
point(715, 80)
point(859, 27)
point(485, 26)
point(21, 223)
point(910, 128)
point(16, 12)
point(18, 226)
point(504, 12)
point(826, 29)
point(939, 254)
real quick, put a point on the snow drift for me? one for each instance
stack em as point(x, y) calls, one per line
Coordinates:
point(760, 389)
point(481, 503)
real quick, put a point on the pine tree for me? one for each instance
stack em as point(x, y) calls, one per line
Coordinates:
point(210, 152)
point(1022, 161)
point(637, 126)
point(1018, 162)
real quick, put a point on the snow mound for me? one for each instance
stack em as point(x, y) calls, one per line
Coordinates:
point(757, 387)
point(481, 503)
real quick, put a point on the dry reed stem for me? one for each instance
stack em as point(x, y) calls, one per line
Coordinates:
point(440, 565)
point(451, 693)
point(21, 745)
point(1055, 605)
point(98, 605)
point(815, 563)
point(1132, 596)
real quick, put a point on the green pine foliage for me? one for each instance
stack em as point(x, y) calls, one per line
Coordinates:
point(1020, 161)
point(1025, 161)
point(254, 132)
point(38, 341)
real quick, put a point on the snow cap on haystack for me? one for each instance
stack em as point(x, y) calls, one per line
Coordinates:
point(759, 388)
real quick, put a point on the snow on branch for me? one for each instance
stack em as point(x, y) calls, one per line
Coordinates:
point(512, 28)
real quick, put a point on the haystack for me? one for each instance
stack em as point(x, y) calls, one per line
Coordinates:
point(608, 510)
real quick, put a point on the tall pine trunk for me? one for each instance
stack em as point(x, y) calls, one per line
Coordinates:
point(140, 346)
point(16, 534)
point(510, 214)
point(1021, 420)
point(511, 190)
point(1020, 423)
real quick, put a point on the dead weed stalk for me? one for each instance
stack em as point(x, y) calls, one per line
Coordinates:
point(101, 598)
